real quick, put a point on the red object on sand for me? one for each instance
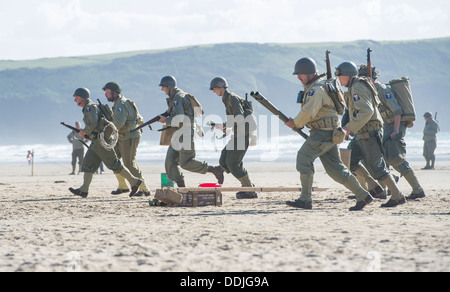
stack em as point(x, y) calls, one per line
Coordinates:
point(210, 185)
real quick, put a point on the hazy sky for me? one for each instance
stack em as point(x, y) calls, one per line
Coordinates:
point(33, 29)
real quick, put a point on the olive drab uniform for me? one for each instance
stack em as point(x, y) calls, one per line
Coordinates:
point(231, 158)
point(429, 138)
point(97, 153)
point(395, 149)
point(319, 114)
point(179, 104)
point(125, 119)
point(366, 124)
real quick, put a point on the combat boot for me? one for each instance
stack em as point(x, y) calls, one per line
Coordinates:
point(374, 188)
point(305, 200)
point(122, 188)
point(427, 166)
point(218, 173)
point(300, 204)
point(181, 183)
point(414, 183)
point(245, 182)
point(396, 196)
point(78, 192)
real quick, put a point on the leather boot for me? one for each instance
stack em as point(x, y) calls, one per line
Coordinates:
point(181, 183)
point(396, 196)
point(122, 188)
point(218, 173)
point(245, 182)
point(417, 191)
point(373, 187)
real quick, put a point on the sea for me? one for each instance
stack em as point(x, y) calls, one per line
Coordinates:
point(275, 149)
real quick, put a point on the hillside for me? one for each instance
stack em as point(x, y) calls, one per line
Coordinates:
point(37, 94)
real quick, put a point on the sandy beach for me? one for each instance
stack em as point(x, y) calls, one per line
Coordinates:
point(45, 228)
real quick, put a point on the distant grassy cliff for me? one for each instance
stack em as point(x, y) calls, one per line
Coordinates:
point(37, 94)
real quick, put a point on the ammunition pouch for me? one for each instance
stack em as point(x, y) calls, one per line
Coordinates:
point(371, 126)
point(338, 135)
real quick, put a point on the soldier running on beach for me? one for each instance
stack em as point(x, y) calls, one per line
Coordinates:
point(365, 126)
point(181, 114)
point(97, 152)
point(319, 114)
point(237, 111)
point(126, 117)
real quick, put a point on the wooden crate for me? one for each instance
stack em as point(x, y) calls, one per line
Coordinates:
point(201, 199)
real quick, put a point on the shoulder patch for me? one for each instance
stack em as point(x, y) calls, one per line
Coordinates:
point(119, 110)
point(175, 103)
point(356, 97)
point(88, 109)
point(388, 95)
point(311, 92)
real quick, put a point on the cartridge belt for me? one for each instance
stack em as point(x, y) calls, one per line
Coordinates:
point(325, 123)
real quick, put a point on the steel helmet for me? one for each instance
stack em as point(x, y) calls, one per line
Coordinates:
point(169, 82)
point(346, 69)
point(363, 71)
point(428, 115)
point(83, 93)
point(218, 82)
point(114, 86)
point(306, 66)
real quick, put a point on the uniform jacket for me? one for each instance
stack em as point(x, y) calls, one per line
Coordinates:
point(125, 118)
point(362, 106)
point(179, 104)
point(430, 131)
point(316, 105)
point(91, 118)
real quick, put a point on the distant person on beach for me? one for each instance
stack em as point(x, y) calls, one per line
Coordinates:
point(77, 148)
point(430, 140)
point(30, 157)
point(126, 118)
point(318, 113)
point(97, 152)
point(232, 155)
point(394, 131)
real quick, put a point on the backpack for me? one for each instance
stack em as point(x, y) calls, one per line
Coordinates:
point(195, 105)
point(402, 92)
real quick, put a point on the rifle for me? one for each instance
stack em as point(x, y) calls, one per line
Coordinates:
point(327, 60)
point(105, 110)
point(369, 65)
point(155, 119)
point(268, 105)
point(76, 131)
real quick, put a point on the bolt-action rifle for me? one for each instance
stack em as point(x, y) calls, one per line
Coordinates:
point(327, 60)
point(268, 105)
point(154, 120)
point(369, 65)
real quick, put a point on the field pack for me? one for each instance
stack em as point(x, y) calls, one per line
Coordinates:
point(402, 91)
